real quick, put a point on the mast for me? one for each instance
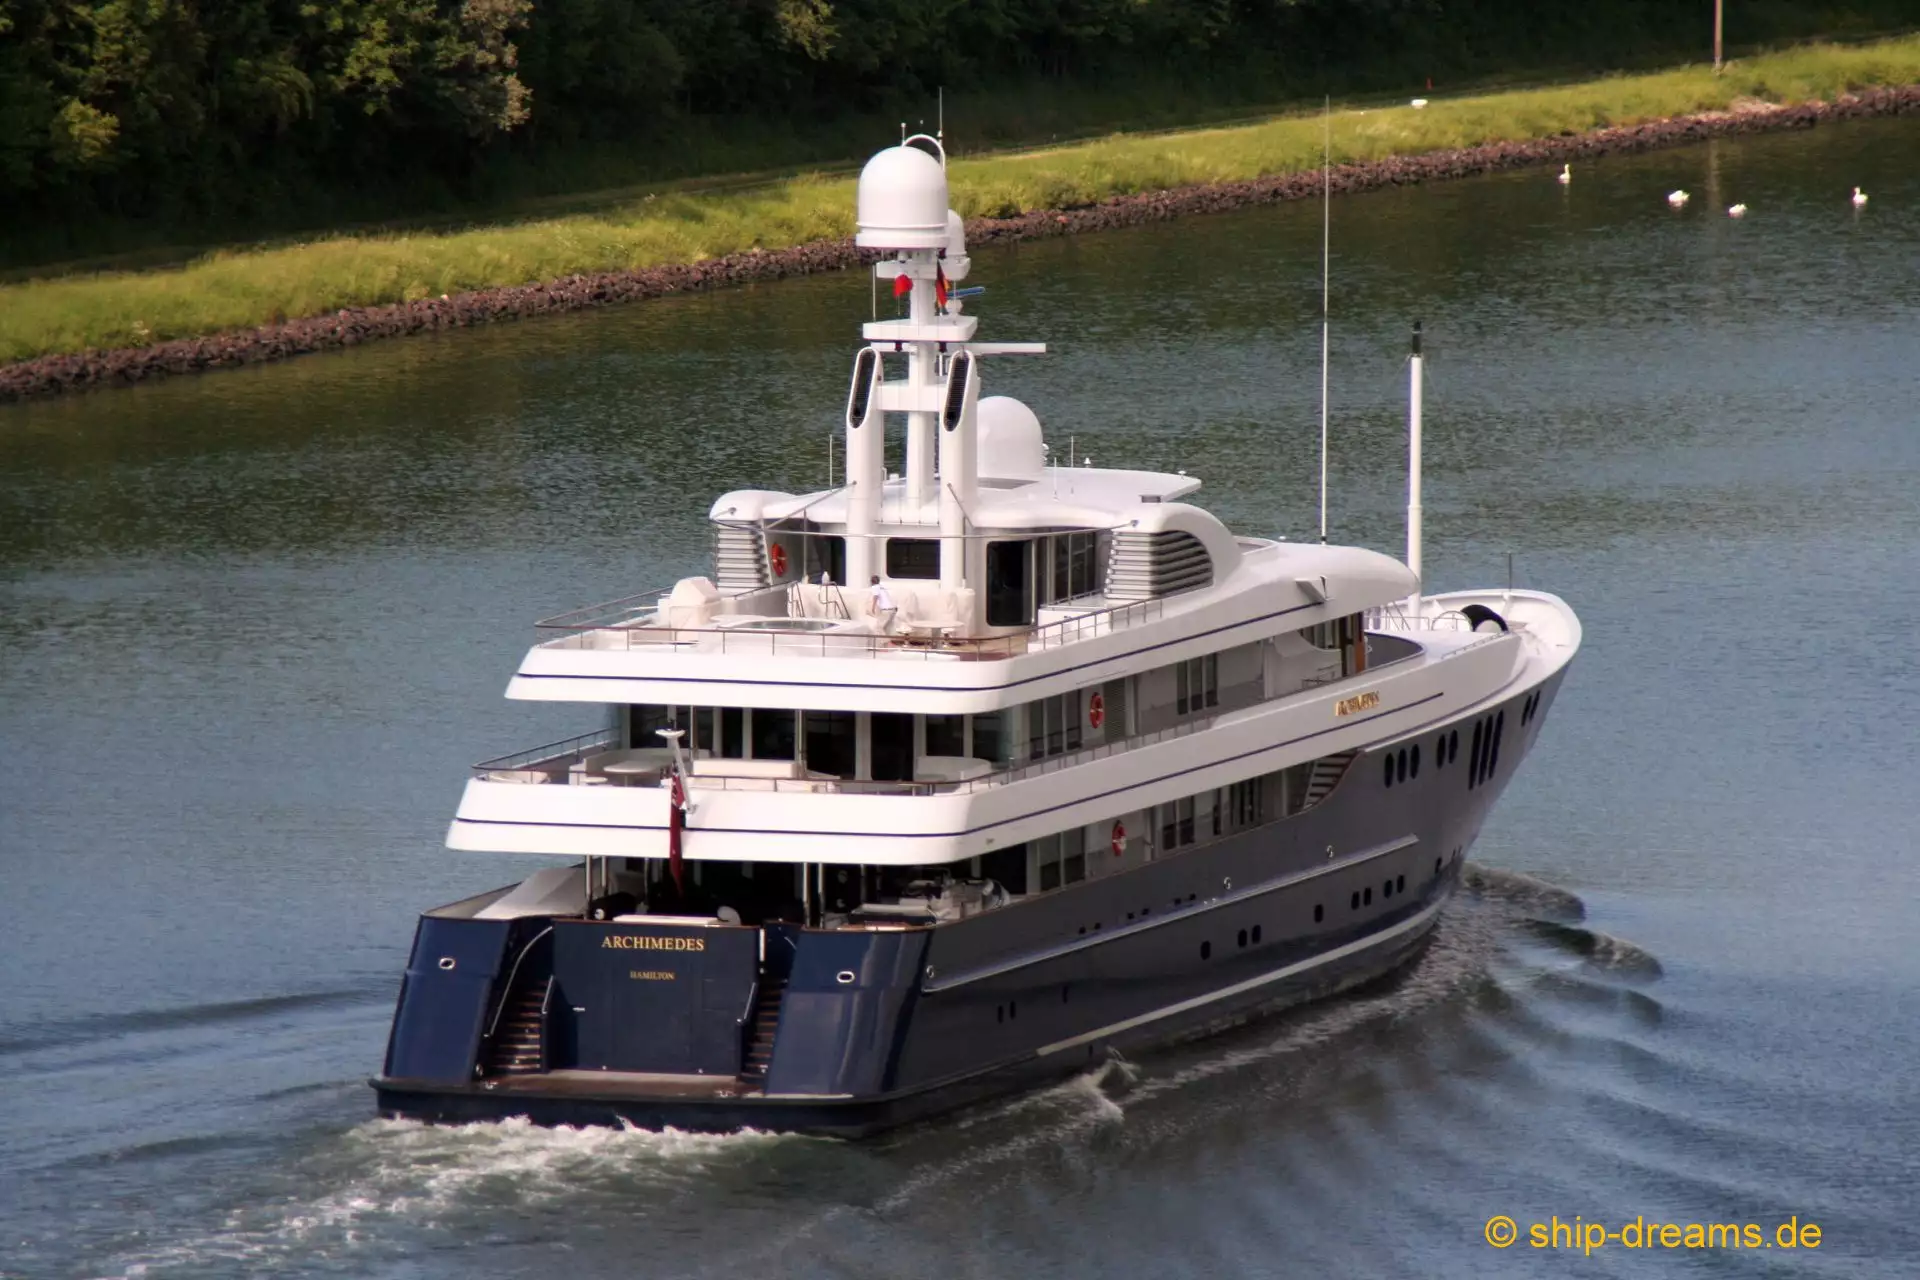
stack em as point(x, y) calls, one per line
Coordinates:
point(1326, 273)
point(1414, 363)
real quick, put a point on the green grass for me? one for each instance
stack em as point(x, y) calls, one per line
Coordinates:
point(239, 289)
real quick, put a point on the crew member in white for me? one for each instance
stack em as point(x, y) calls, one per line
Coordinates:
point(883, 608)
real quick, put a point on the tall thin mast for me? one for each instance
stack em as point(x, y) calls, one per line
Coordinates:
point(1326, 270)
point(1414, 364)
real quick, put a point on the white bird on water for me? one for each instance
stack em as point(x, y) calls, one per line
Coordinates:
point(1566, 174)
point(1736, 211)
point(1859, 197)
point(1678, 199)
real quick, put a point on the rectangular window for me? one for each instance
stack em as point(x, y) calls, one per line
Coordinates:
point(1186, 820)
point(1218, 813)
point(1073, 859)
point(990, 737)
point(1210, 679)
point(826, 555)
point(1169, 828)
point(1007, 867)
point(1009, 584)
point(733, 738)
point(913, 558)
point(703, 731)
point(830, 746)
point(773, 734)
point(946, 735)
point(644, 719)
point(1180, 689)
point(1046, 856)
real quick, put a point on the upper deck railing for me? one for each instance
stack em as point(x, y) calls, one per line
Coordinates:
point(638, 622)
point(564, 761)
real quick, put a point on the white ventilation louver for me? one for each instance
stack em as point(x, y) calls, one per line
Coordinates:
point(1143, 565)
point(739, 559)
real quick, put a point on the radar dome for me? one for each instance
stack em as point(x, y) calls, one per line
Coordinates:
point(903, 201)
point(1010, 445)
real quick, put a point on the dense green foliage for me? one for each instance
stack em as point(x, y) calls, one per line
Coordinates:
point(229, 289)
point(218, 115)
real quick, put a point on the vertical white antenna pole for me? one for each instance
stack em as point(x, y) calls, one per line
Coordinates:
point(1326, 253)
point(1413, 473)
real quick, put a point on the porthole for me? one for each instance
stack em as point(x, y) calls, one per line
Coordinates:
point(1206, 951)
point(844, 977)
point(1319, 913)
point(1256, 935)
point(1389, 763)
point(1386, 890)
point(1129, 915)
point(1399, 884)
point(1013, 1010)
point(1356, 900)
point(447, 963)
point(1063, 993)
point(1083, 931)
point(1243, 937)
point(999, 1013)
point(1414, 770)
point(1401, 756)
point(1366, 896)
point(1453, 746)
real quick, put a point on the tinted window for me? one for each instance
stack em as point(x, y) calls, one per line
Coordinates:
point(913, 558)
point(1009, 601)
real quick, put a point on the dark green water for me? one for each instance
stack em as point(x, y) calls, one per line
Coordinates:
point(253, 626)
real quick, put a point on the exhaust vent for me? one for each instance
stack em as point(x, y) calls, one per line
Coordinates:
point(1143, 565)
point(739, 559)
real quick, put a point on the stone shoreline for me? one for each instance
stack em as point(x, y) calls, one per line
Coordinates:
point(52, 375)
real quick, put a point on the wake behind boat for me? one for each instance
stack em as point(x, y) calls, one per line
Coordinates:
point(950, 782)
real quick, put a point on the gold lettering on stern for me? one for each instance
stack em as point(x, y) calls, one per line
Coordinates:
point(1358, 702)
point(652, 975)
point(648, 942)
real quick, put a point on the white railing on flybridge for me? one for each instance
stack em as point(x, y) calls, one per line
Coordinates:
point(639, 622)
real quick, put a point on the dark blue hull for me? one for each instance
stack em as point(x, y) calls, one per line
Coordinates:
point(655, 1025)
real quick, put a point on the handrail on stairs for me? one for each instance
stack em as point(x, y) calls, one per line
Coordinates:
point(512, 974)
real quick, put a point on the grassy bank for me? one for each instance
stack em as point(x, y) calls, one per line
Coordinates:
point(236, 290)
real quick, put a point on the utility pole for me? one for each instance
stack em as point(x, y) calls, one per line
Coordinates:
point(1718, 5)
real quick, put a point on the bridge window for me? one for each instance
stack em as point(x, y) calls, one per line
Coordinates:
point(913, 557)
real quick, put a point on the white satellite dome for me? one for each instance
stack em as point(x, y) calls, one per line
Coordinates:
point(1010, 444)
point(957, 261)
point(903, 201)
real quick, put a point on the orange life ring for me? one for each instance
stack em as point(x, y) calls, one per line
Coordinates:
point(1096, 710)
point(777, 557)
point(1119, 840)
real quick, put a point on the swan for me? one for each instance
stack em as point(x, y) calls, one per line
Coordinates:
point(1859, 197)
point(1566, 174)
point(1736, 211)
point(1419, 103)
point(1678, 199)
